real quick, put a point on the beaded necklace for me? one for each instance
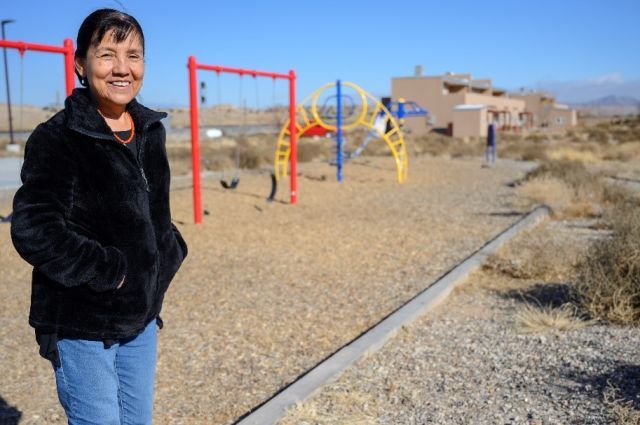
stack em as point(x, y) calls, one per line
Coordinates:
point(133, 132)
point(133, 129)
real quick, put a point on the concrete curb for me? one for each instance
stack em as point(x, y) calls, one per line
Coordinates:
point(373, 339)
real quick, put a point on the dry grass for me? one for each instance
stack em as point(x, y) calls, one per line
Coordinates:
point(590, 142)
point(567, 187)
point(623, 411)
point(550, 191)
point(537, 254)
point(25, 118)
point(348, 407)
point(567, 153)
point(608, 277)
point(532, 318)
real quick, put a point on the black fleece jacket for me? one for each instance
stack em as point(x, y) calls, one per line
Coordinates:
point(89, 213)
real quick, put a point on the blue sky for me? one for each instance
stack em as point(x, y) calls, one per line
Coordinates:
point(578, 49)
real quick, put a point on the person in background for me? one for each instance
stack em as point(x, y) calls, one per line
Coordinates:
point(490, 151)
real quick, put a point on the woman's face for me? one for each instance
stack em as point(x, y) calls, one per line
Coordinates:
point(114, 71)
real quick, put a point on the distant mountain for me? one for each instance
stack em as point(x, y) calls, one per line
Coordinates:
point(609, 106)
point(614, 101)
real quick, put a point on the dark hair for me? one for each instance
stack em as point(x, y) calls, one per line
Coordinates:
point(97, 24)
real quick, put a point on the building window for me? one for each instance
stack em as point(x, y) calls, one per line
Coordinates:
point(559, 120)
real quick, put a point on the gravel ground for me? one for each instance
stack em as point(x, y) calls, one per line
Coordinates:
point(269, 290)
point(471, 361)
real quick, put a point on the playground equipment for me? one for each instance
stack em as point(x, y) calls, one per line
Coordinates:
point(215, 133)
point(194, 66)
point(399, 109)
point(402, 108)
point(22, 47)
point(316, 117)
point(66, 50)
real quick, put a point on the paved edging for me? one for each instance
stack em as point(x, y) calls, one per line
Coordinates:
point(273, 409)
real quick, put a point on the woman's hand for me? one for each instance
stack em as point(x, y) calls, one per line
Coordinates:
point(121, 283)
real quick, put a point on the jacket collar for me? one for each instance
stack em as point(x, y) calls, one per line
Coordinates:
point(82, 115)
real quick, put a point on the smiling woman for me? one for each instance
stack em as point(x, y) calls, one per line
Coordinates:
point(110, 61)
point(93, 218)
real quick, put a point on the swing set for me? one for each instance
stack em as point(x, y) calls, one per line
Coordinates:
point(194, 66)
point(66, 49)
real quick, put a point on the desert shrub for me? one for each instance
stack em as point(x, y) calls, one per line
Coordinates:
point(309, 149)
point(548, 190)
point(536, 254)
point(625, 152)
point(618, 197)
point(534, 153)
point(541, 319)
point(251, 159)
point(511, 137)
point(598, 134)
point(430, 144)
point(567, 187)
point(608, 277)
point(575, 154)
point(572, 135)
point(461, 149)
point(574, 173)
point(536, 137)
point(558, 169)
point(625, 135)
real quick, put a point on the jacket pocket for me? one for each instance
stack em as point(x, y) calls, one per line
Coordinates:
point(173, 252)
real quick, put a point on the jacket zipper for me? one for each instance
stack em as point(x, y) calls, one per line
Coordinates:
point(144, 177)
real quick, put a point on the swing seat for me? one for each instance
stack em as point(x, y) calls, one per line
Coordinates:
point(274, 188)
point(232, 185)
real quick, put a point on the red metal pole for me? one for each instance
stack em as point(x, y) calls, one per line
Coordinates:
point(70, 78)
point(242, 71)
point(20, 45)
point(293, 158)
point(66, 50)
point(195, 140)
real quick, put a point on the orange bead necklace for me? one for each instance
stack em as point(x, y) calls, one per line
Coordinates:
point(133, 129)
point(131, 136)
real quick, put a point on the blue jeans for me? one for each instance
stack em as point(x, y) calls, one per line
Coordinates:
point(108, 386)
point(491, 148)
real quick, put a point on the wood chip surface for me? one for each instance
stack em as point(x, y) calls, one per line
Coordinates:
point(271, 289)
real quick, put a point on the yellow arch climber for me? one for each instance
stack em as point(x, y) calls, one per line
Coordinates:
point(372, 114)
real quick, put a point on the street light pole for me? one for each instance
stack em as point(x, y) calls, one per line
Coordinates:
point(6, 74)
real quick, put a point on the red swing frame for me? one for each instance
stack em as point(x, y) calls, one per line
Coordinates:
point(66, 49)
point(194, 66)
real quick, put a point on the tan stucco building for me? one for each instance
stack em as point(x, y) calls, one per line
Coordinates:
point(463, 106)
point(546, 114)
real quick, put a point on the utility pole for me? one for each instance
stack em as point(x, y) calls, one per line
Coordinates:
point(6, 74)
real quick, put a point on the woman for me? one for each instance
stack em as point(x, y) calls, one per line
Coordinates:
point(93, 218)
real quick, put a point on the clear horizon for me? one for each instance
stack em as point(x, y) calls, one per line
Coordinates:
point(564, 48)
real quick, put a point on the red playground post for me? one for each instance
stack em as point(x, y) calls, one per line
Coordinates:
point(66, 50)
point(194, 66)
